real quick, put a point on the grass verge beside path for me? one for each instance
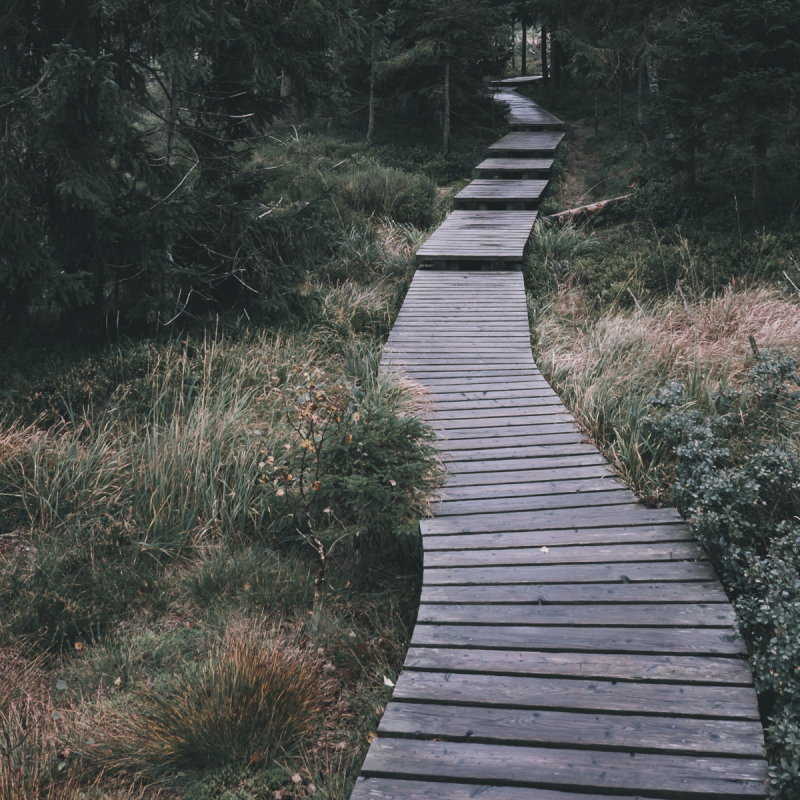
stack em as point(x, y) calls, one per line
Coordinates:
point(209, 560)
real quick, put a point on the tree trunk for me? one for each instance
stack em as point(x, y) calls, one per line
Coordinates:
point(584, 211)
point(514, 47)
point(639, 99)
point(524, 57)
point(596, 112)
point(171, 113)
point(759, 168)
point(371, 124)
point(688, 171)
point(446, 117)
point(545, 72)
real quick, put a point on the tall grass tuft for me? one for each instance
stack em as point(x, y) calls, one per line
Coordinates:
point(255, 700)
point(557, 254)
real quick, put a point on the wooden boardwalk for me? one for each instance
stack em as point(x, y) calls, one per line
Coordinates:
point(488, 192)
point(519, 143)
point(516, 167)
point(479, 236)
point(570, 644)
point(524, 113)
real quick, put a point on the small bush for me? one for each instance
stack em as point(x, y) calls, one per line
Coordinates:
point(741, 491)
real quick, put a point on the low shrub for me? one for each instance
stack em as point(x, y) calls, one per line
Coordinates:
point(738, 479)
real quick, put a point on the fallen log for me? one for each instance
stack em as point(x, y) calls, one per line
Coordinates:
point(583, 211)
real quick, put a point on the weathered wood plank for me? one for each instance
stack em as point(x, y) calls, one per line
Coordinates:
point(675, 641)
point(575, 694)
point(529, 489)
point(565, 554)
point(533, 503)
point(552, 538)
point(533, 520)
point(600, 594)
point(681, 670)
point(394, 789)
point(628, 572)
point(638, 614)
point(684, 777)
point(570, 729)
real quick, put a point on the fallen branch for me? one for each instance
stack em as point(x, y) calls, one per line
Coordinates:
point(584, 211)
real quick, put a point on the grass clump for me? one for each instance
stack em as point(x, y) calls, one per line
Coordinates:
point(255, 698)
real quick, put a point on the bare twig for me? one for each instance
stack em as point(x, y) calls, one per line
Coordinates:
point(627, 288)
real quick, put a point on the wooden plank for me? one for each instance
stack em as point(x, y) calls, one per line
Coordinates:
point(565, 554)
point(395, 789)
point(697, 776)
point(682, 670)
point(576, 694)
point(607, 483)
point(601, 594)
point(552, 538)
point(534, 520)
point(675, 641)
point(629, 572)
point(561, 471)
point(533, 503)
point(573, 729)
point(482, 456)
point(637, 614)
point(456, 445)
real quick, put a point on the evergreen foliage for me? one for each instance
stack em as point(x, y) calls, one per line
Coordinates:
point(126, 137)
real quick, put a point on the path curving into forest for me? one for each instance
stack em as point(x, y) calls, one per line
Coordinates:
point(570, 643)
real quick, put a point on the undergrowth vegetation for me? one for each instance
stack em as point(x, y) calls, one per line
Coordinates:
point(209, 560)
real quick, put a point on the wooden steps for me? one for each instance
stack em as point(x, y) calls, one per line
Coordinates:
point(487, 193)
point(570, 644)
point(526, 168)
point(478, 236)
point(523, 113)
point(495, 215)
point(533, 144)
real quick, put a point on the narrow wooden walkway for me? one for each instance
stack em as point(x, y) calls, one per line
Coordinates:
point(570, 644)
point(488, 237)
point(488, 192)
point(516, 167)
point(524, 113)
point(517, 143)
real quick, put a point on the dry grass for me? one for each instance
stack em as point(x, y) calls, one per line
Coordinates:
point(713, 332)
